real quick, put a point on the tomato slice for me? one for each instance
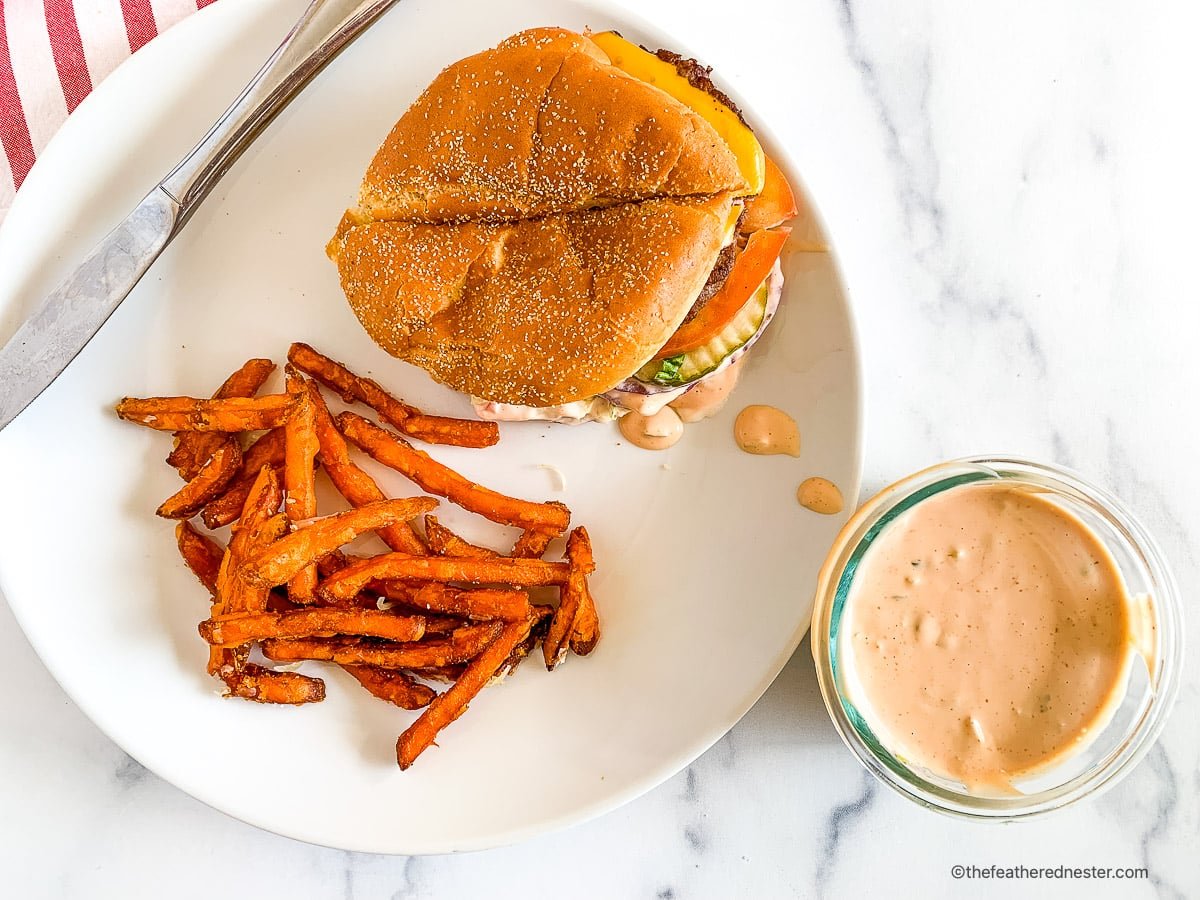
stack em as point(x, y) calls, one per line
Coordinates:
point(775, 203)
point(749, 270)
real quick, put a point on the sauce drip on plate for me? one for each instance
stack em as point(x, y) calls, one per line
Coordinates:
point(821, 496)
point(663, 428)
point(659, 431)
point(707, 398)
point(765, 430)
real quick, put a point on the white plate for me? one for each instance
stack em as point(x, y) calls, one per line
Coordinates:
point(707, 563)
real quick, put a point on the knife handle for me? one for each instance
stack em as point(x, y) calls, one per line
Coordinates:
point(325, 29)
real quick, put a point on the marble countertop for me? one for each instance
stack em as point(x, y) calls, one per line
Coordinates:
point(1011, 190)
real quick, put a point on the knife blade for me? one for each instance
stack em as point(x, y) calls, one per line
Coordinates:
point(68, 317)
point(65, 320)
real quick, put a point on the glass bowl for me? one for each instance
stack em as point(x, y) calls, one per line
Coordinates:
point(1152, 681)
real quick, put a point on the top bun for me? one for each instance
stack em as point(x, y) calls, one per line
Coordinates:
point(538, 223)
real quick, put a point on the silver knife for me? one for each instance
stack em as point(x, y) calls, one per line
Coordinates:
point(70, 316)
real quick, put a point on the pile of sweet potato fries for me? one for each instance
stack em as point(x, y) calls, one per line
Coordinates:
point(436, 608)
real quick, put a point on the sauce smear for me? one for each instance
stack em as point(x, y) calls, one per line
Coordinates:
point(655, 432)
point(821, 496)
point(707, 398)
point(986, 635)
point(765, 430)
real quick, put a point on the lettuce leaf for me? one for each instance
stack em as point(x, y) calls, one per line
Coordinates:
point(668, 370)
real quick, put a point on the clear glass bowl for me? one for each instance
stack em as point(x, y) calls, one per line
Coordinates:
point(1153, 679)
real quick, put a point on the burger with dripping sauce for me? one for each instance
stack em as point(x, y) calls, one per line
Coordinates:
point(569, 227)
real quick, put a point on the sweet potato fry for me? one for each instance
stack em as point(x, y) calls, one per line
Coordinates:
point(193, 448)
point(532, 543)
point(207, 484)
point(288, 650)
point(300, 487)
point(269, 532)
point(579, 556)
point(480, 605)
point(353, 388)
point(442, 674)
point(334, 562)
point(280, 561)
point(395, 687)
point(448, 706)
point(394, 591)
point(190, 457)
point(277, 602)
point(391, 591)
point(439, 626)
point(260, 507)
point(585, 632)
point(462, 644)
point(232, 593)
point(246, 381)
point(232, 630)
point(444, 542)
point(259, 525)
point(436, 608)
point(343, 585)
point(226, 662)
point(201, 553)
point(436, 478)
point(253, 682)
point(267, 450)
point(350, 387)
point(353, 483)
point(455, 432)
point(226, 508)
point(541, 616)
point(191, 414)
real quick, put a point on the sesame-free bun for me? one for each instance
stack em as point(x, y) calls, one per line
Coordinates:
point(537, 224)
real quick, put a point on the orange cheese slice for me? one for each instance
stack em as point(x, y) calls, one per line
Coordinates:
point(647, 67)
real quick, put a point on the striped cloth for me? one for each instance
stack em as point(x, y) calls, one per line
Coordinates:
point(52, 53)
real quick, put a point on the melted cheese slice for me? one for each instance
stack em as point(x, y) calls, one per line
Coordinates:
point(647, 67)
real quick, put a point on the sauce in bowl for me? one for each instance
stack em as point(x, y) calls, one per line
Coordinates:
point(996, 638)
point(987, 635)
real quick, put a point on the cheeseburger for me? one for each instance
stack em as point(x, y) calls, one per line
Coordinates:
point(568, 227)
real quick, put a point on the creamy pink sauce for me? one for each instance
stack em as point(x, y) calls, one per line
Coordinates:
point(765, 430)
point(820, 495)
point(707, 398)
point(656, 432)
point(986, 635)
point(657, 427)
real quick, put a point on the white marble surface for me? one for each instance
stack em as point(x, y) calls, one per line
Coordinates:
point(1011, 188)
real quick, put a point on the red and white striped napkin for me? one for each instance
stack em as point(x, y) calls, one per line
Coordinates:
point(52, 53)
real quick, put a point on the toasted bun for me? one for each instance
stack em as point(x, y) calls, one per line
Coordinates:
point(537, 312)
point(537, 224)
point(541, 124)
